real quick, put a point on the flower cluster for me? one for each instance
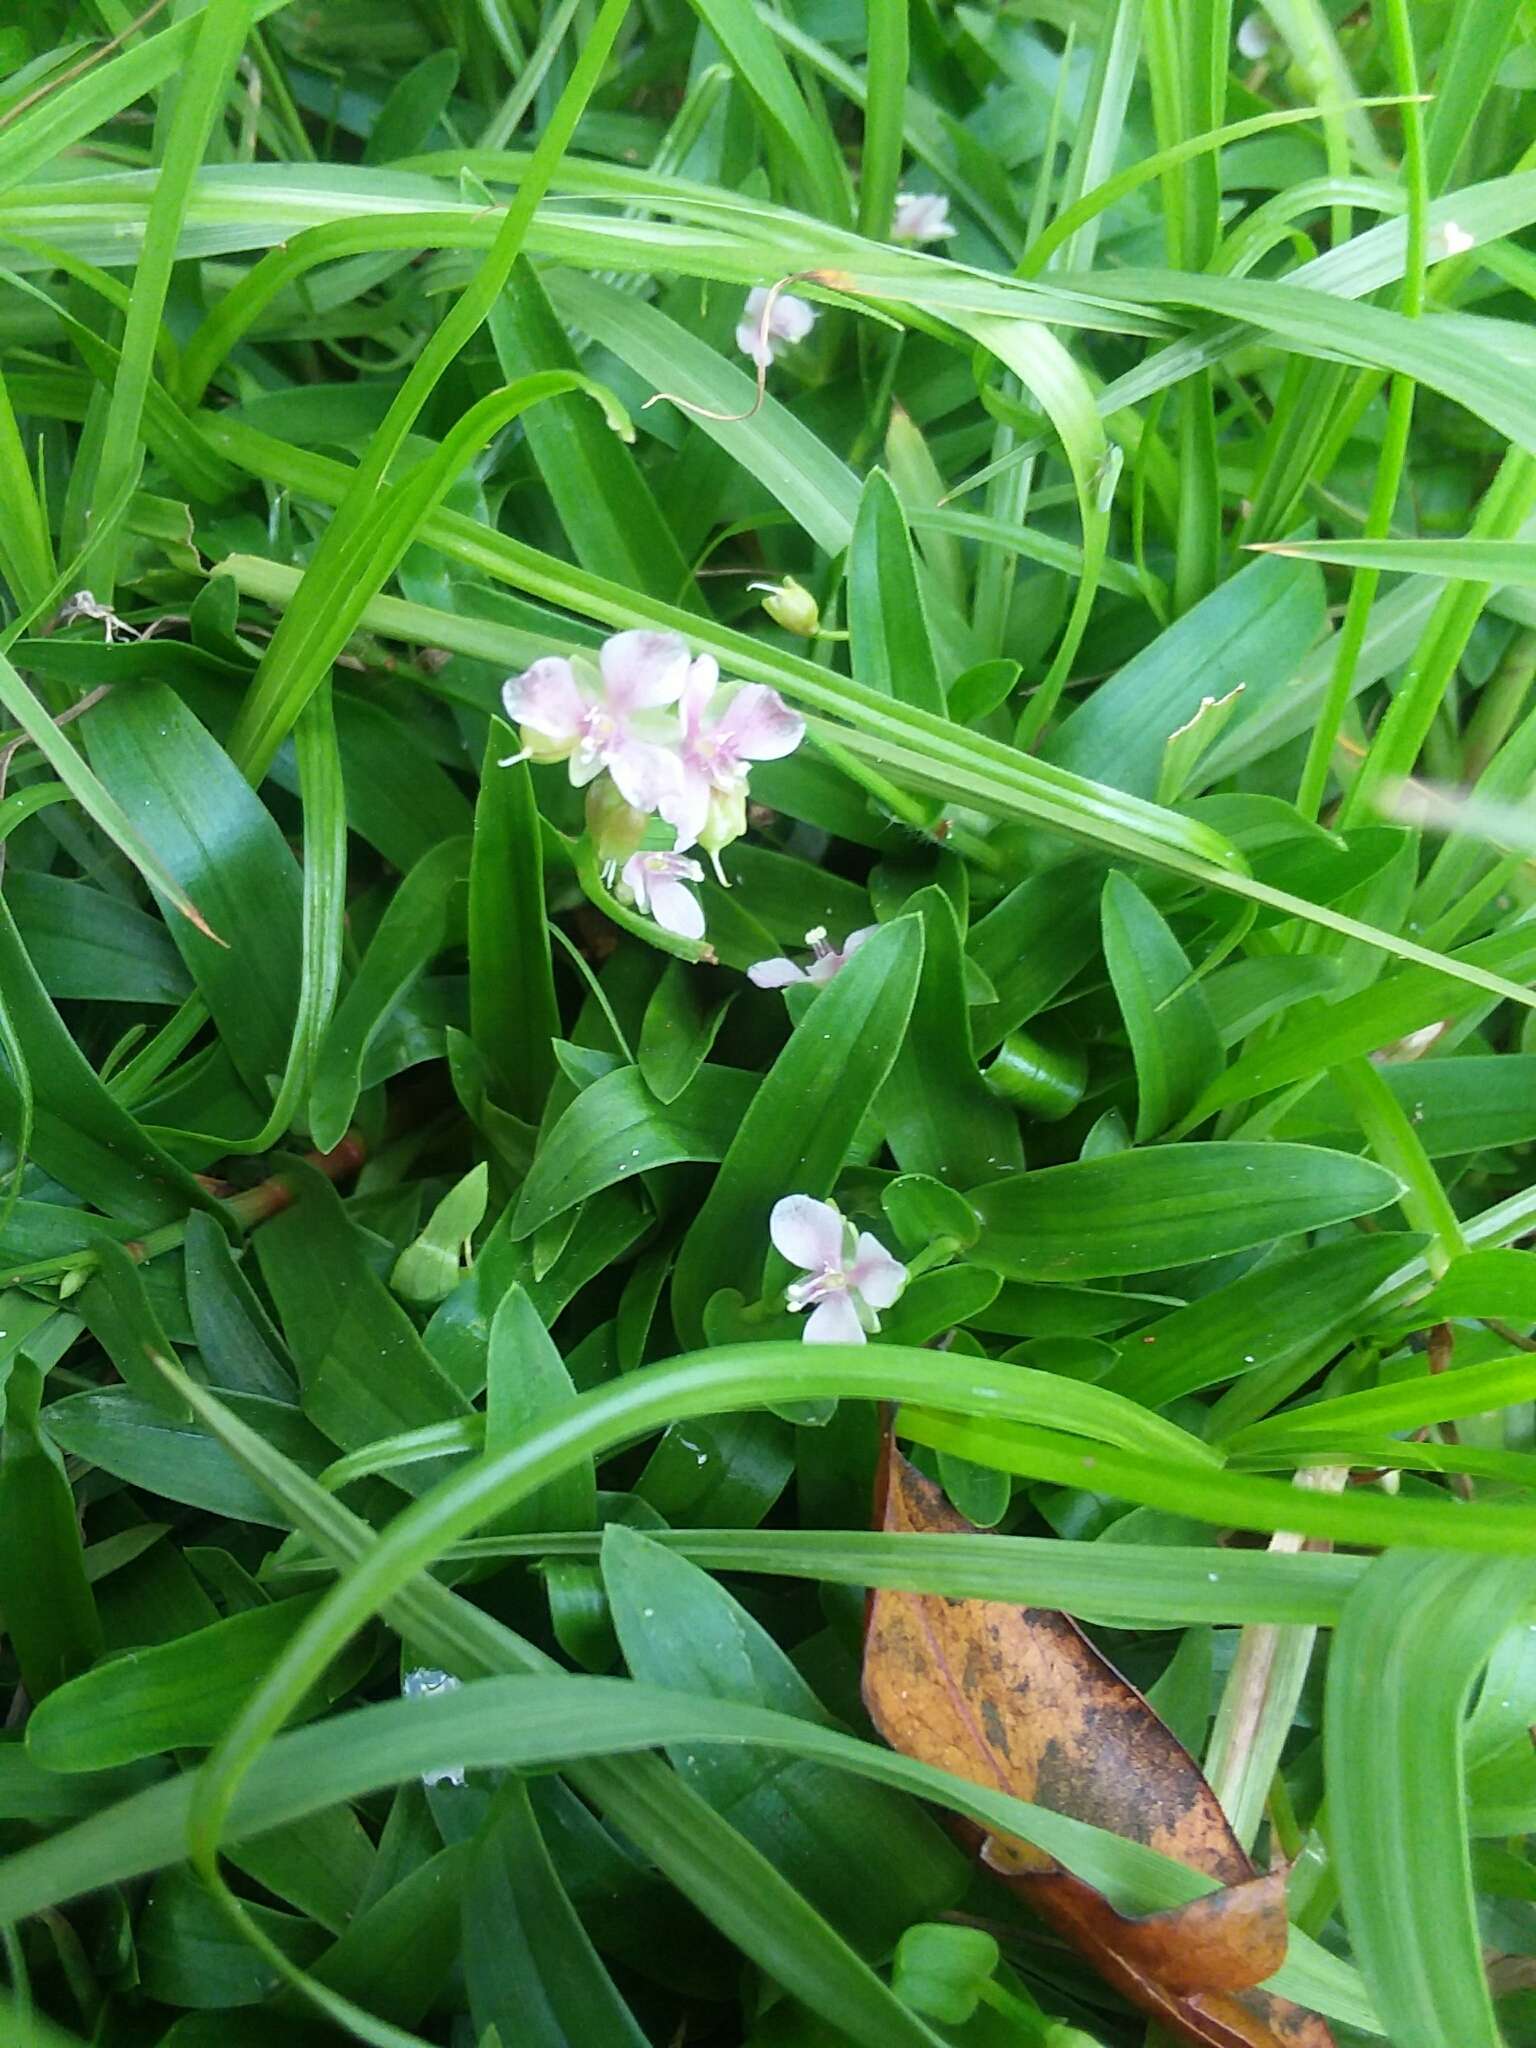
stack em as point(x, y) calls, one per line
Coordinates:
point(650, 731)
point(849, 1273)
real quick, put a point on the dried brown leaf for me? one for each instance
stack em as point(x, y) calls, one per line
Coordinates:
point(1017, 1697)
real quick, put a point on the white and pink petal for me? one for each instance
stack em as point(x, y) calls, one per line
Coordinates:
point(757, 725)
point(874, 1274)
point(834, 1320)
point(810, 1234)
point(643, 669)
point(547, 698)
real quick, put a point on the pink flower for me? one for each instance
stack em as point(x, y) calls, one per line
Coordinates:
point(789, 320)
point(721, 734)
point(825, 960)
point(849, 1274)
point(921, 217)
point(565, 713)
point(655, 880)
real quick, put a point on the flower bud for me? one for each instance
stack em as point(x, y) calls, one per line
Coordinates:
point(616, 828)
point(725, 821)
point(790, 605)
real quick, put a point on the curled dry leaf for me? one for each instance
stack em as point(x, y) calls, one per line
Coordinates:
point(1019, 1698)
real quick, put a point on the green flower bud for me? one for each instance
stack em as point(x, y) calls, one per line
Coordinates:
point(616, 828)
point(790, 605)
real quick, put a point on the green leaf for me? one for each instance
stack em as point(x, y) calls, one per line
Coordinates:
point(614, 522)
point(678, 1030)
point(1138, 1212)
point(404, 124)
point(798, 1132)
point(364, 1373)
point(1394, 1747)
point(528, 1383)
point(531, 1970)
point(50, 1615)
point(427, 1271)
point(396, 1956)
point(91, 946)
point(425, 915)
point(117, 1430)
point(1286, 1312)
point(769, 442)
point(79, 1134)
point(1250, 630)
point(679, 1629)
point(1318, 1034)
point(892, 645)
point(181, 1694)
point(512, 1009)
point(940, 1119)
point(224, 850)
point(617, 1129)
point(1173, 1040)
point(235, 1337)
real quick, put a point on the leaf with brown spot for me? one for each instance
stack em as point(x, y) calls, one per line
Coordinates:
point(1019, 1698)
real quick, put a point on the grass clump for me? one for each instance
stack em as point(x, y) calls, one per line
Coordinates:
point(723, 726)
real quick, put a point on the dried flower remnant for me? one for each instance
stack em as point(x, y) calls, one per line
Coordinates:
point(921, 217)
point(769, 324)
point(826, 960)
point(655, 882)
point(849, 1274)
point(425, 1684)
point(1413, 1047)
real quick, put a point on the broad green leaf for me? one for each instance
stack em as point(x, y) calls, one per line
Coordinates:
point(224, 849)
point(1173, 1040)
point(1253, 630)
point(117, 1430)
point(119, 1315)
point(79, 1134)
point(1393, 1741)
point(1137, 1212)
point(415, 105)
point(364, 1373)
point(528, 1383)
point(512, 1008)
point(90, 946)
point(678, 1030)
point(611, 516)
point(798, 1132)
point(1455, 1105)
point(50, 1615)
point(939, 1118)
point(395, 1957)
point(679, 1628)
point(770, 442)
point(235, 1338)
point(529, 1964)
point(177, 1695)
point(891, 644)
point(426, 915)
point(1318, 1034)
point(617, 1129)
point(1284, 1312)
